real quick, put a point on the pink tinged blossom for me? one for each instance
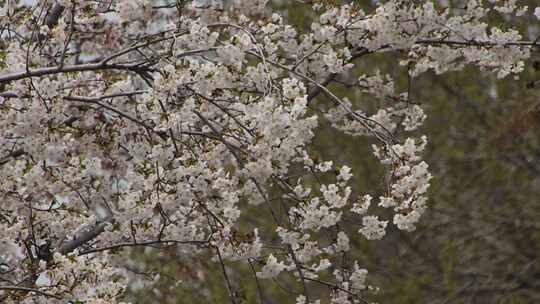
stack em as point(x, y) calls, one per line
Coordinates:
point(146, 126)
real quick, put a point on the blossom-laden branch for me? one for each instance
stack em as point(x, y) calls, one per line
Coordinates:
point(131, 125)
point(31, 290)
point(71, 69)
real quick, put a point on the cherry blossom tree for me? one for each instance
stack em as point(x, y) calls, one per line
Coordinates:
point(163, 124)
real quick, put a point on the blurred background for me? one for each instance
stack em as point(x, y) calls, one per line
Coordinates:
point(478, 242)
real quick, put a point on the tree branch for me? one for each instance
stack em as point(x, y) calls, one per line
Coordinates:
point(51, 20)
point(70, 68)
point(84, 235)
point(28, 289)
point(141, 244)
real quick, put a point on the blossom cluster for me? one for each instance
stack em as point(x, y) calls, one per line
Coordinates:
point(142, 124)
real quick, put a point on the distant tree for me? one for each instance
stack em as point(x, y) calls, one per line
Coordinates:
point(161, 124)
